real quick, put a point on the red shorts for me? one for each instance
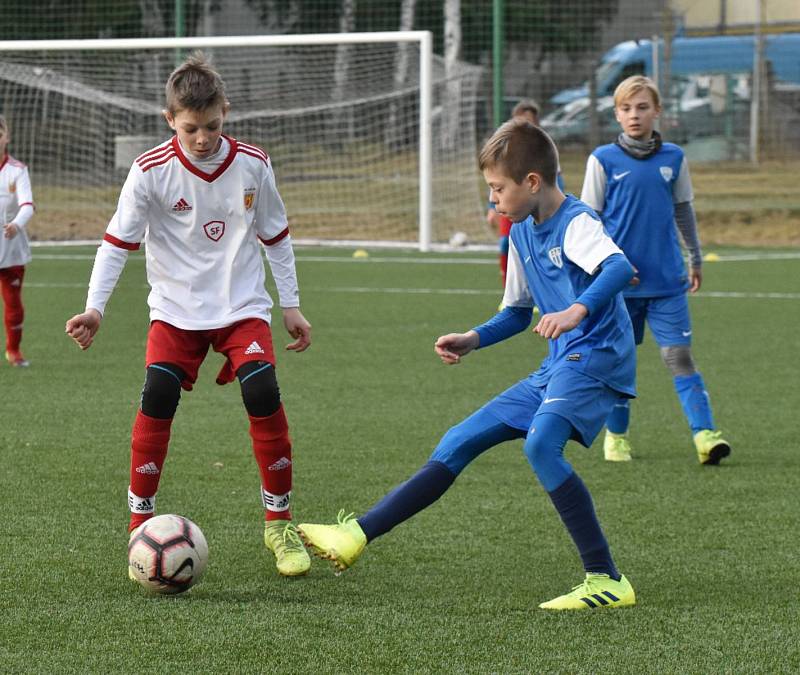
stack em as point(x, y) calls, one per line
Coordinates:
point(247, 340)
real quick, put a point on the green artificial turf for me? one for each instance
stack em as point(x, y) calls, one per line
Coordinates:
point(712, 551)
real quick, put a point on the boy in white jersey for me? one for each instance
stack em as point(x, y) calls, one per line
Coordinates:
point(16, 209)
point(560, 256)
point(641, 188)
point(202, 202)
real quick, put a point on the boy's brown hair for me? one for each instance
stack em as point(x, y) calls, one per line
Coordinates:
point(526, 106)
point(195, 85)
point(518, 148)
point(632, 86)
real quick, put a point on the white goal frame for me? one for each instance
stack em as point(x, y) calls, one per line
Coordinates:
point(424, 40)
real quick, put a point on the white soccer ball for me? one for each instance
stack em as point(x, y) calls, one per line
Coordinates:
point(459, 239)
point(168, 554)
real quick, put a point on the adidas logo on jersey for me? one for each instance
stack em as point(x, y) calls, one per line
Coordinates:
point(282, 463)
point(254, 348)
point(150, 468)
point(182, 205)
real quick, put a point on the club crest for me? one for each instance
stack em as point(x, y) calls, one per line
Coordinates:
point(555, 257)
point(666, 173)
point(214, 230)
point(12, 187)
point(249, 198)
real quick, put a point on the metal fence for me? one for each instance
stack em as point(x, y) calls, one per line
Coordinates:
point(731, 83)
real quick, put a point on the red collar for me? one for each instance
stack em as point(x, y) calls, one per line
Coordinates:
point(3, 163)
point(208, 177)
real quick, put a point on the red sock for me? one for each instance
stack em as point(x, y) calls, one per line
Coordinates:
point(14, 312)
point(503, 267)
point(273, 451)
point(149, 441)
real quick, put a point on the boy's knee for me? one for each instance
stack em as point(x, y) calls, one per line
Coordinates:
point(678, 358)
point(260, 391)
point(162, 390)
point(453, 449)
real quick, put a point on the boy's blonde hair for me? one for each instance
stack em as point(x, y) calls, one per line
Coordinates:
point(3, 123)
point(518, 148)
point(632, 86)
point(194, 85)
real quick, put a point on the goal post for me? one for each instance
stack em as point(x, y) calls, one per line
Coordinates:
point(359, 138)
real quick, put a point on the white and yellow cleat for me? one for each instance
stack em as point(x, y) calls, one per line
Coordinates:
point(711, 447)
point(291, 557)
point(617, 448)
point(342, 543)
point(598, 591)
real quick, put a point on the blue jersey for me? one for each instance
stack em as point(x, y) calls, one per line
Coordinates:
point(636, 199)
point(551, 264)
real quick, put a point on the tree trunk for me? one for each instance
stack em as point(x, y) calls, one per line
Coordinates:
point(395, 127)
point(341, 70)
point(452, 50)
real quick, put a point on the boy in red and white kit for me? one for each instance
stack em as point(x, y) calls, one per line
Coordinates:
point(16, 209)
point(202, 202)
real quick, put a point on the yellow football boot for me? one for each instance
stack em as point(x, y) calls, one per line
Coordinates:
point(616, 447)
point(342, 543)
point(598, 591)
point(711, 447)
point(291, 557)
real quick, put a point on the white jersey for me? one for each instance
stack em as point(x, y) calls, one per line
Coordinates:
point(201, 222)
point(16, 206)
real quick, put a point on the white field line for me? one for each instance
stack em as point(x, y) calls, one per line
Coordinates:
point(457, 291)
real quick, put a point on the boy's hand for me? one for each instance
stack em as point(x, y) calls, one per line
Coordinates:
point(10, 230)
point(298, 327)
point(82, 327)
point(695, 279)
point(552, 325)
point(451, 347)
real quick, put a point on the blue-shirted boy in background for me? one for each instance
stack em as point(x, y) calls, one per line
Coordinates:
point(561, 257)
point(642, 189)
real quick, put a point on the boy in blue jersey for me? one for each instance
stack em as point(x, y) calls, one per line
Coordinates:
point(641, 188)
point(560, 256)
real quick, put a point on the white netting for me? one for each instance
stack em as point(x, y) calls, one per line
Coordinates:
point(340, 122)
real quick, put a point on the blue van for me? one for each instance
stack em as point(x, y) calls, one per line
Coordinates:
point(723, 54)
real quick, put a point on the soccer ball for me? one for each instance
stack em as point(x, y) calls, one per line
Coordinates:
point(167, 554)
point(459, 239)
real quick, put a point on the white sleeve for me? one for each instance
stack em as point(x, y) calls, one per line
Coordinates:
point(24, 199)
point(587, 244)
point(594, 184)
point(281, 262)
point(271, 221)
point(517, 293)
point(682, 189)
point(108, 265)
point(129, 222)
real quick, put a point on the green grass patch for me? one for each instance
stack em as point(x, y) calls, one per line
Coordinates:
point(710, 551)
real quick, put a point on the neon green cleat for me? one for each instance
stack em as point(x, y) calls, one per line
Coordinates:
point(711, 447)
point(342, 543)
point(598, 591)
point(131, 575)
point(617, 447)
point(291, 557)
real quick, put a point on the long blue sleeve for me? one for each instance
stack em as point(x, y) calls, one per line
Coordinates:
point(509, 321)
point(615, 273)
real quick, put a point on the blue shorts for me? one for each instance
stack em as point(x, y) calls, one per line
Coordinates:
point(583, 401)
point(668, 318)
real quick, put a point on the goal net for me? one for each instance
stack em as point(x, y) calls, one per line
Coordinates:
point(363, 149)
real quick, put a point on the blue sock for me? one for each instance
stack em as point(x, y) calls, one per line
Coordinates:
point(694, 400)
point(574, 504)
point(407, 499)
point(620, 417)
